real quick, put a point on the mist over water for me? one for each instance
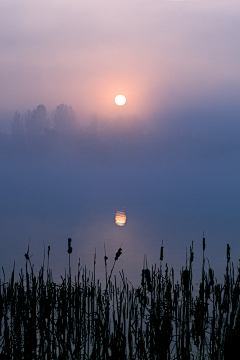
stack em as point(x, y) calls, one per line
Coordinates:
point(174, 175)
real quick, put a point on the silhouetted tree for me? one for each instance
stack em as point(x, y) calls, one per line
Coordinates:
point(64, 119)
point(17, 127)
point(36, 121)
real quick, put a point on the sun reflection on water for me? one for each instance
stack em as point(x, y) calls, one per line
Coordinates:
point(120, 218)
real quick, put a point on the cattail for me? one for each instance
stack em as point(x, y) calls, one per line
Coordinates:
point(228, 253)
point(69, 246)
point(204, 244)
point(105, 260)
point(191, 256)
point(161, 255)
point(191, 253)
point(118, 254)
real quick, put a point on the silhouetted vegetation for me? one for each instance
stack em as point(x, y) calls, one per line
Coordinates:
point(79, 319)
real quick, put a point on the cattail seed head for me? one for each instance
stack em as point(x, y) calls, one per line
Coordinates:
point(204, 244)
point(161, 254)
point(118, 254)
point(228, 253)
point(105, 260)
point(69, 246)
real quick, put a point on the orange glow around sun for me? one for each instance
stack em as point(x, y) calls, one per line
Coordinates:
point(105, 100)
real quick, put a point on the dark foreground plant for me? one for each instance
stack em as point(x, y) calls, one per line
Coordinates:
point(160, 320)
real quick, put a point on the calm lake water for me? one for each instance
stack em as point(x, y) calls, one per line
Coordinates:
point(169, 193)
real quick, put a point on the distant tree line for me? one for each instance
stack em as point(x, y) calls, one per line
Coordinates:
point(113, 137)
point(40, 131)
point(37, 123)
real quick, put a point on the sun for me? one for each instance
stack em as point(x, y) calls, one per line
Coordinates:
point(120, 100)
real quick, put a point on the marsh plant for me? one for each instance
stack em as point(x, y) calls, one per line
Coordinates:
point(159, 320)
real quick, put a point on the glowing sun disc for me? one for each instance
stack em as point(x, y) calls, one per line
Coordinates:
point(120, 100)
point(120, 218)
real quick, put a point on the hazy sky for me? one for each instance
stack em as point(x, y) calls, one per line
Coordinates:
point(170, 156)
point(161, 54)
